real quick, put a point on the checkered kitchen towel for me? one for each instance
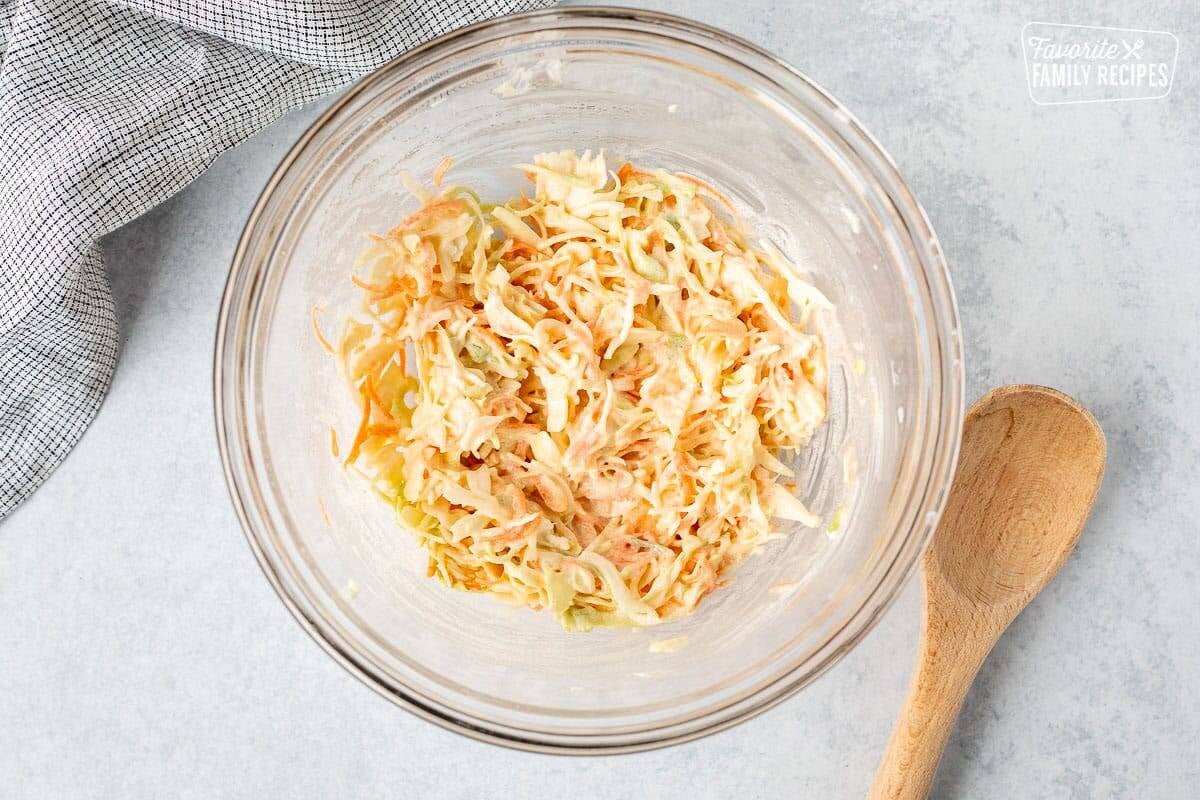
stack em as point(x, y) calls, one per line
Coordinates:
point(108, 108)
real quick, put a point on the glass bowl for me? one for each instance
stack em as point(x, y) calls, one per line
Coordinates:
point(661, 91)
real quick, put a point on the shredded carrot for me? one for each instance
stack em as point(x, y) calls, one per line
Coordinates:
point(516, 535)
point(370, 287)
point(442, 208)
point(373, 393)
point(520, 248)
point(325, 345)
point(361, 435)
point(324, 513)
point(628, 171)
point(333, 442)
point(439, 171)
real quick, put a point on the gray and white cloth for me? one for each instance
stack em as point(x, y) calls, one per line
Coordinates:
point(109, 108)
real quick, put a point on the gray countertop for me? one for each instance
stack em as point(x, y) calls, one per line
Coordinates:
point(143, 654)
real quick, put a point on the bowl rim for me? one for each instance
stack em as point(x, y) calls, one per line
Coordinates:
point(944, 447)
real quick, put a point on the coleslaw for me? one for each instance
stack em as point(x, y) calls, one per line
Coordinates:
point(581, 401)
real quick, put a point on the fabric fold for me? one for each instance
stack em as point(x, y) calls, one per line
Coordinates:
point(107, 110)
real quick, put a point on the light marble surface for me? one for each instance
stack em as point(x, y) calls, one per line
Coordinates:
point(142, 654)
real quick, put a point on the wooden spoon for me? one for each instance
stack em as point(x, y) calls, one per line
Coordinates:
point(1030, 466)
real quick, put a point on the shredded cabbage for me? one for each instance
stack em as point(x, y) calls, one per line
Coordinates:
point(578, 402)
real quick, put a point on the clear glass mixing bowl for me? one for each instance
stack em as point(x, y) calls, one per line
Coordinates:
point(660, 91)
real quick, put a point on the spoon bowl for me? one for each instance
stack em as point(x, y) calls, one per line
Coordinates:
point(1029, 470)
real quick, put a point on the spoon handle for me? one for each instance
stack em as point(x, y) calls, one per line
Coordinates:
point(949, 657)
